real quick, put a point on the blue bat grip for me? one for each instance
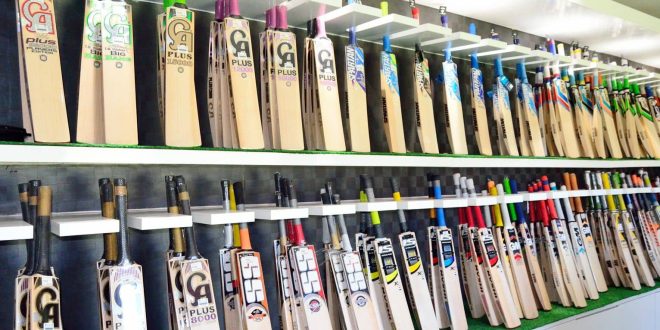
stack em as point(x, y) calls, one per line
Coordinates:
point(352, 38)
point(519, 206)
point(498, 67)
point(387, 46)
point(649, 91)
point(439, 212)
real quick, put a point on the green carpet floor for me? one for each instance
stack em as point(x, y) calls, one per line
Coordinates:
point(559, 313)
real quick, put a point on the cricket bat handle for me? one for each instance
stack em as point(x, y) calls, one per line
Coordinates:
point(121, 205)
point(42, 224)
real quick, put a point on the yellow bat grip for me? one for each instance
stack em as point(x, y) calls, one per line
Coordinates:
point(497, 213)
point(606, 185)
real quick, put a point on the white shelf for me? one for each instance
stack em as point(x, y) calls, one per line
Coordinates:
point(534, 196)
point(539, 57)
point(374, 30)
point(483, 46)
point(557, 194)
point(79, 225)
point(598, 192)
point(482, 200)
point(456, 39)
point(376, 206)
point(450, 202)
point(508, 199)
point(141, 220)
point(422, 33)
point(415, 203)
point(219, 216)
point(11, 230)
point(509, 53)
point(35, 154)
point(614, 191)
point(322, 210)
point(279, 213)
point(301, 11)
point(339, 20)
point(579, 193)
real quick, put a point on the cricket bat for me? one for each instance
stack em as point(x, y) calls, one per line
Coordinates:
point(531, 254)
point(563, 108)
point(269, 99)
point(360, 301)
point(288, 310)
point(604, 106)
point(518, 104)
point(356, 120)
point(326, 91)
point(582, 262)
point(609, 235)
point(229, 296)
point(435, 268)
point(486, 301)
point(654, 106)
point(597, 122)
point(492, 268)
point(550, 108)
point(425, 121)
point(518, 267)
point(479, 114)
point(175, 254)
point(43, 91)
point(453, 300)
point(214, 75)
point(452, 98)
point(289, 130)
point(181, 118)
point(390, 99)
point(531, 126)
point(630, 114)
point(502, 106)
point(552, 247)
point(586, 235)
point(619, 116)
point(336, 284)
point(254, 305)
point(90, 127)
point(310, 296)
point(126, 284)
point(645, 222)
point(414, 270)
point(629, 272)
point(568, 266)
point(583, 111)
point(21, 285)
point(600, 237)
point(109, 257)
point(119, 104)
point(388, 268)
point(195, 273)
point(630, 231)
point(647, 133)
point(44, 305)
point(241, 79)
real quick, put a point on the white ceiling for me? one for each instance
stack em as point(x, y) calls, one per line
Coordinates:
point(606, 26)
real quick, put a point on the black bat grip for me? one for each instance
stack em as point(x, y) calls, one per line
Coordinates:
point(23, 199)
point(121, 214)
point(43, 231)
point(108, 211)
point(33, 201)
point(192, 252)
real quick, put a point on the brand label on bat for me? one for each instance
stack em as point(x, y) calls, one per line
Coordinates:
point(45, 306)
point(179, 38)
point(37, 16)
point(93, 33)
point(389, 68)
point(117, 33)
point(355, 67)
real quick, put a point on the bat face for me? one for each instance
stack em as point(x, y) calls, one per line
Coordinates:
point(198, 294)
point(176, 291)
point(229, 299)
point(288, 92)
point(424, 106)
point(90, 127)
point(127, 298)
point(41, 60)
point(253, 290)
point(454, 109)
point(307, 276)
point(356, 100)
point(242, 81)
point(103, 278)
point(181, 118)
point(21, 301)
point(391, 103)
point(44, 311)
point(479, 118)
point(119, 104)
point(328, 95)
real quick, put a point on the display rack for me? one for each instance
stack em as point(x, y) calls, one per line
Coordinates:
point(64, 225)
point(338, 20)
point(218, 216)
point(152, 220)
point(374, 30)
point(11, 230)
point(37, 154)
point(279, 213)
point(420, 34)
